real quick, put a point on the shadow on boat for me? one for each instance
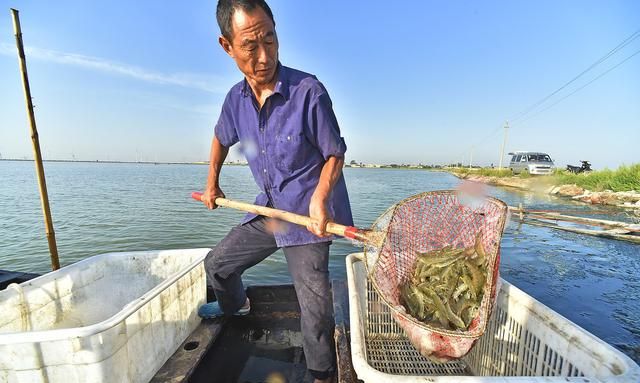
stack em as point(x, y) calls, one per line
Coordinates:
point(264, 346)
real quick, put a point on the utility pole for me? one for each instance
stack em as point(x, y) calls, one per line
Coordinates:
point(37, 155)
point(471, 158)
point(504, 143)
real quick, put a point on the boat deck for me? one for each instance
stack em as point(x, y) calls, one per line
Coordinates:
point(264, 346)
point(9, 277)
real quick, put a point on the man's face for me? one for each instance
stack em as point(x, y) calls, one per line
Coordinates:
point(254, 45)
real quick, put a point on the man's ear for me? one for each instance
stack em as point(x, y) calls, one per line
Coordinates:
point(226, 45)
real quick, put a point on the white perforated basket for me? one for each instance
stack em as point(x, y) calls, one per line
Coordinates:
point(525, 341)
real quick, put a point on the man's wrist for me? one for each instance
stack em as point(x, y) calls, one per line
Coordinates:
point(320, 196)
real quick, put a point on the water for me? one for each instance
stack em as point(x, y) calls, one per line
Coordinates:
point(99, 208)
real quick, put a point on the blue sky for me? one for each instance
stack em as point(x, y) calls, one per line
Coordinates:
point(412, 81)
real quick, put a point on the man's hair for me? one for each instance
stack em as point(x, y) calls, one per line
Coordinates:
point(226, 8)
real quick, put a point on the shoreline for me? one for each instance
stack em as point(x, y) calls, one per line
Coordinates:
point(538, 184)
point(109, 162)
point(622, 199)
point(396, 167)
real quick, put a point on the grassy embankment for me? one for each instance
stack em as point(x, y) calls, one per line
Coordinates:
point(488, 172)
point(625, 178)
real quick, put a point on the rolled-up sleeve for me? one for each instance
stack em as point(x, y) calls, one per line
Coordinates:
point(225, 129)
point(322, 127)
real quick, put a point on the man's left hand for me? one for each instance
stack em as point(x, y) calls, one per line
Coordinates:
point(319, 216)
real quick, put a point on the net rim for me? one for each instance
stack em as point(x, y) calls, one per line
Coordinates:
point(488, 306)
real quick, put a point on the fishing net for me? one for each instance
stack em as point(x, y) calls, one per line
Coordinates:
point(428, 222)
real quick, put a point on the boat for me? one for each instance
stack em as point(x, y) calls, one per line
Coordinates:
point(525, 342)
point(264, 346)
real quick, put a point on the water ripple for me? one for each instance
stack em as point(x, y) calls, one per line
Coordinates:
point(99, 208)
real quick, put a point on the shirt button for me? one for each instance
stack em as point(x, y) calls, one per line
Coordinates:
point(264, 170)
point(263, 151)
point(288, 138)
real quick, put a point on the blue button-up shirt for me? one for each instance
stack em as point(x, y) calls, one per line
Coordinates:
point(286, 143)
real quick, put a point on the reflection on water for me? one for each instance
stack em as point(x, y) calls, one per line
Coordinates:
point(99, 208)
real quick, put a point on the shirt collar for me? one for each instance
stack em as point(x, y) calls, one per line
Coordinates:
point(282, 85)
point(281, 88)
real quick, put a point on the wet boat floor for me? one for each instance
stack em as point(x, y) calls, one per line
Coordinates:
point(264, 346)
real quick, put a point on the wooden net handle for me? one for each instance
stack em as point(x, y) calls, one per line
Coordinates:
point(332, 227)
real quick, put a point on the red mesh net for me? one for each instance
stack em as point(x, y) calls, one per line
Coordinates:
point(428, 222)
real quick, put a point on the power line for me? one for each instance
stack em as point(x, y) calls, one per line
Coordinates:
point(582, 87)
point(623, 44)
point(470, 147)
point(527, 110)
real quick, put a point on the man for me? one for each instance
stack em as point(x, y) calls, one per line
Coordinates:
point(284, 122)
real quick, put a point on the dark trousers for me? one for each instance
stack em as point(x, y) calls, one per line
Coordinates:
point(247, 245)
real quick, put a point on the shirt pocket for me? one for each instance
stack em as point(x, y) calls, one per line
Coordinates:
point(292, 151)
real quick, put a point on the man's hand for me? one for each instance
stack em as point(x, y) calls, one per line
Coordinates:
point(210, 195)
point(319, 216)
point(216, 159)
point(331, 171)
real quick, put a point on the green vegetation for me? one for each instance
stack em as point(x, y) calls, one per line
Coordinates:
point(625, 178)
point(489, 172)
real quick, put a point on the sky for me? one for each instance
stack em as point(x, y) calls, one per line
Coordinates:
point(429, 82)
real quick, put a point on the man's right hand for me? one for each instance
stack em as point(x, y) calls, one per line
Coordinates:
point(210, 195)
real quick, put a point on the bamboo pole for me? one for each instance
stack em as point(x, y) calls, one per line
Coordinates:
point(556, 216)
point(367, 236)
point(611, 234)
point(621, 231)
point(42, 184)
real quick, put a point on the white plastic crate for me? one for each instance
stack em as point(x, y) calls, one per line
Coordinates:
point(110, 318)
point(525, 341)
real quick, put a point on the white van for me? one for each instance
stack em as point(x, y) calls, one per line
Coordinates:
point(532, 162)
